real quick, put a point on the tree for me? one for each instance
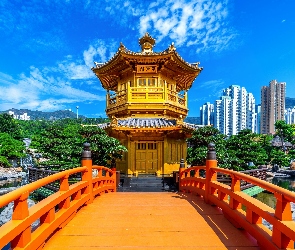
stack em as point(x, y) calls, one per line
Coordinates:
point(265, 142)
point(105, 149)
point(198, 144)
point(10, 126)
point(247, 148)
point(10, 149)
point(32, 127)
point(284, 130)
point(279, 157)
point(234, 152)
point(61, 145)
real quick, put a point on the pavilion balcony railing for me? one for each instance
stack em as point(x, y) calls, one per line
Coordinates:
point(146, 94)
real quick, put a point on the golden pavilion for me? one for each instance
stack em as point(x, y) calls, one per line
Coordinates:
point(147, 103)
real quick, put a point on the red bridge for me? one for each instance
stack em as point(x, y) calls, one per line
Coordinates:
point(205, 214)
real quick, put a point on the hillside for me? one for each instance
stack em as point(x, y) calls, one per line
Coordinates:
point(38, 115)
point(290, 102)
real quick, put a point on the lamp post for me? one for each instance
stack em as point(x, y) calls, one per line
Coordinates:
point(77, 107)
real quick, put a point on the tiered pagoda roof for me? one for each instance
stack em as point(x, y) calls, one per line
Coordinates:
point(148, 123)
point(168, 60)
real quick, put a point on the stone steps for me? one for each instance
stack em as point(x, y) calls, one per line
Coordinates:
point(142, 184)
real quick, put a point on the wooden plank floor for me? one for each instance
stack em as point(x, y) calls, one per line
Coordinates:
point(150, 221)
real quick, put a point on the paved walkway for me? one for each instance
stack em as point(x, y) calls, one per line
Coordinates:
point(164, 220)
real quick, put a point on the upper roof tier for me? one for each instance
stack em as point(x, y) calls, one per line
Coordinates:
point(169, 60)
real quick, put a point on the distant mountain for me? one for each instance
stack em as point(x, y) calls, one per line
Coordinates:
point(38, 115)
point(290, 102)
point(193, 120)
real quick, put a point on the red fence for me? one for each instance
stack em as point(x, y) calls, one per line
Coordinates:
point(230, 199)
point(55, 211)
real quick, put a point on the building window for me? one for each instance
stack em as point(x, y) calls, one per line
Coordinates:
point(147, 82)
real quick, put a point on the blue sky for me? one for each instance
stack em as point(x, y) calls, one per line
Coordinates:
point(48, 47)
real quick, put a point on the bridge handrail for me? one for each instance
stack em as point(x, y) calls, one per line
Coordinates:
point(56, 210)
point(16, 194)
point(253, 180)
point(290, 196)
point(230, 199)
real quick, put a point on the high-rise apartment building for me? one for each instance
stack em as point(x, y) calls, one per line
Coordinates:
point(207, 114)
point(257, 118)
point(234, 111)
point(272, 105)
point(290, 116)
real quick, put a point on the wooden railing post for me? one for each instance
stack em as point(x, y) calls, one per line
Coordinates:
point(20, 212)
point(235, 187)
point(64, 186)
point(87, 176)
point(211, 162)
point(114, 176)
point(180, 177)
point(283, 213)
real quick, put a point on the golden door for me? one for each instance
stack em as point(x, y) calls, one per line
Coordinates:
point(146, 157)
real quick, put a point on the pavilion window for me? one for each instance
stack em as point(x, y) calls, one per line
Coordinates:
point(142, 82)
point(152, 145)
point(147, 82)
point(141, 146)
point(151, 82)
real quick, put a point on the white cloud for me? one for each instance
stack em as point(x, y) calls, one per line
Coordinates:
point(214, 89)
point(54, 87)
point(211, 84)
point(200, 23)
point(100, 51)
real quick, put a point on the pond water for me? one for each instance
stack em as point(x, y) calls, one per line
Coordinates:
point(269, 199)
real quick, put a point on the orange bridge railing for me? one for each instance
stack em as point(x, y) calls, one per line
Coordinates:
point(241, 209)
point(55, 211)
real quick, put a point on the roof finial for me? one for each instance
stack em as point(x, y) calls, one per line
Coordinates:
point(147, 43)
point(122, 48)
point(171, 47)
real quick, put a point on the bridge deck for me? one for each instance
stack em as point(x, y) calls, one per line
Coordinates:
point(150, 221)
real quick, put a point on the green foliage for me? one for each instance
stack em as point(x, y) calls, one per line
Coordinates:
point(105, 150)
point(284, 130)
point(4, 162)
point(291, 154)
point(33, 127)
point(279, 157)
point(10, 149)
point(234, 152)
point(10, 126)
point(61, 145)
point(199, 142)
point(99, 120)
point(247, 148)
point(265, 142)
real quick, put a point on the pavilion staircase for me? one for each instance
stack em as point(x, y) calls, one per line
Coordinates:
point(144, 183)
